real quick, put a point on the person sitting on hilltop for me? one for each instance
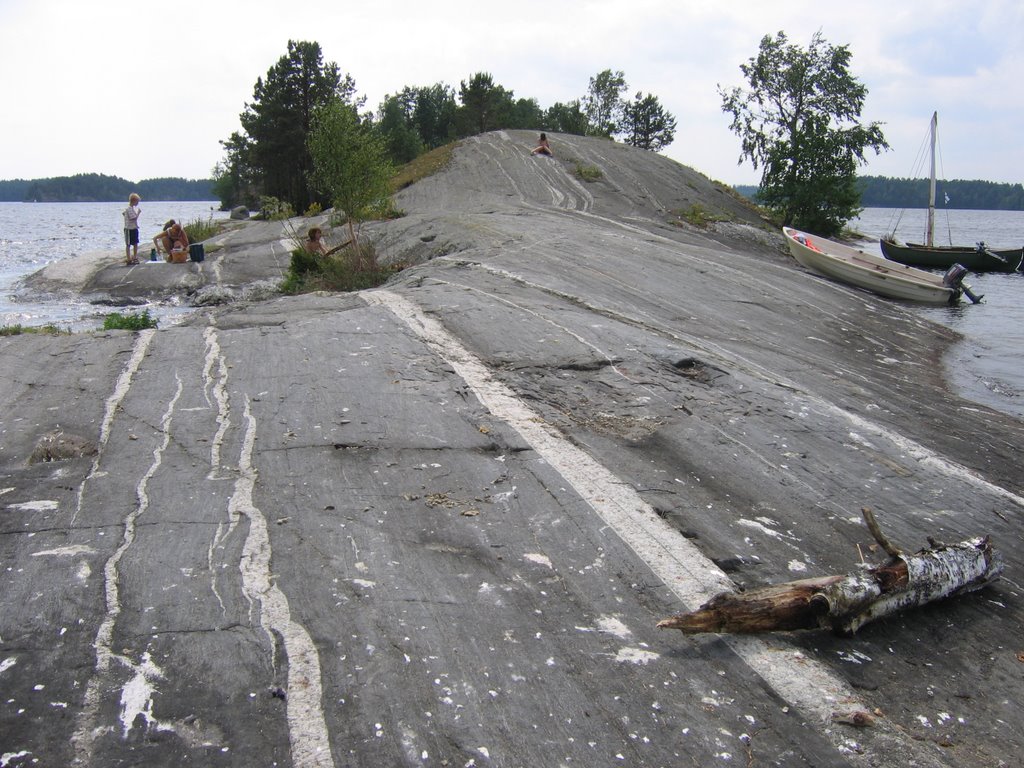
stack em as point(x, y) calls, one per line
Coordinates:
point(542, 148)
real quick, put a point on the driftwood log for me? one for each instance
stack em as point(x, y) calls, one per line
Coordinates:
point(846, 603)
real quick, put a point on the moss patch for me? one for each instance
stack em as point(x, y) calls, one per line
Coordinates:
point(696, 216)
point(423, 166)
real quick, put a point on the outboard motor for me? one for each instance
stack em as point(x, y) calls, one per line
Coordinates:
point(982, 250)
point(954, 278)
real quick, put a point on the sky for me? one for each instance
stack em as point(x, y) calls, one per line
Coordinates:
point(148, 89)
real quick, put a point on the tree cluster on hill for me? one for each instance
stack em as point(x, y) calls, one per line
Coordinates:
point(98, 188)
point(271, 156)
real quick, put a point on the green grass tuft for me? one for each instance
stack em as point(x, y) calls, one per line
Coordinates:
point(423, 166)
point(18, 330)
point(115, 321)
point(340, 272)
point(199, 229)
point(588, 172)
point(697, 216)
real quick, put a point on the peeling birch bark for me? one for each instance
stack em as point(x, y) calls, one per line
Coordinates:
point(846, 603)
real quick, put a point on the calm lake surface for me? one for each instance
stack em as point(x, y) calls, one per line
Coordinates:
point(987, 367)
point(33, 235)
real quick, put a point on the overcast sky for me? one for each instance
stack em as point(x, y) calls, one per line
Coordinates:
point(148, 89)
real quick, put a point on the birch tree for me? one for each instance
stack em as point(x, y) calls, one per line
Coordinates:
point(799, 121)
point(350, 165)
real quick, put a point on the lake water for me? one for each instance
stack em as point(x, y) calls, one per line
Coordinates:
point(33, 235)
point(988, 367)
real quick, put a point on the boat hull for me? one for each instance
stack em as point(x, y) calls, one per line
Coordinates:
point(944, 257)
point(864, 270)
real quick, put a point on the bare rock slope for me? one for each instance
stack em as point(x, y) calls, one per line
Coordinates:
point(436, 523)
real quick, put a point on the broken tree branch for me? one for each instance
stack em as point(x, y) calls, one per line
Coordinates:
point(876, 532)
point(846, 603)
point(337, 248)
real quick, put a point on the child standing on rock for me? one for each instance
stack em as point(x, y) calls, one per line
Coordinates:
point(131, 230)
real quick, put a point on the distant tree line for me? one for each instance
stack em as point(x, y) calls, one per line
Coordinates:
point(13, 191)
point(97, 188)
point(881, 192)
point(270, 155)
point(884, 192)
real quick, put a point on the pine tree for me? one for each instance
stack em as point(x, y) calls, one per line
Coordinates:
point(278, 121)
point(646, 124)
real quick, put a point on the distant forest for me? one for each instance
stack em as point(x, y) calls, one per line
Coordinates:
point(877, 191)
point(883, 192)
point(97, 188)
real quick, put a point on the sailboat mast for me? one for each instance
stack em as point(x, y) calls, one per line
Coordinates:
point(930, 239)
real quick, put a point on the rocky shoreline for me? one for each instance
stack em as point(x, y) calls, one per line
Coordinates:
point(439, 521)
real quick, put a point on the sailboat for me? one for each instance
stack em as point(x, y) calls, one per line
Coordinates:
point(927, 255)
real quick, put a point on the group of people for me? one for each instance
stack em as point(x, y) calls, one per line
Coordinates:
point(172, 240)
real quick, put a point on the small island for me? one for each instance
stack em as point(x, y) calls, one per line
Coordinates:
point(99, 188)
